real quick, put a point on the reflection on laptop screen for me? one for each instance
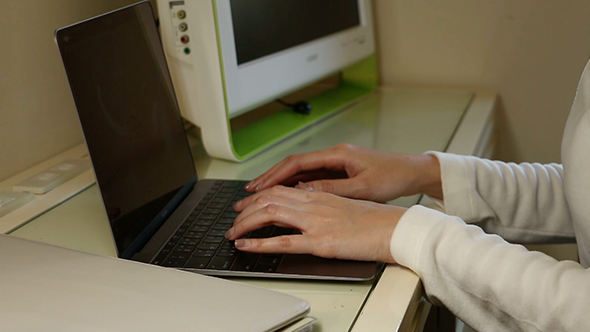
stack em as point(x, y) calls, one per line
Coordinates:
point(129, 77)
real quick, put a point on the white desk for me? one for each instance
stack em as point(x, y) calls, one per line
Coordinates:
point(411, 121)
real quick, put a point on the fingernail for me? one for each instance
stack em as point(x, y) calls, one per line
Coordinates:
point(248, 185)
point(229, 233)
point(241, 243)
point(304, 186)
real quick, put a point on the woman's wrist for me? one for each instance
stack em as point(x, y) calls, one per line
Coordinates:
point(429, 176)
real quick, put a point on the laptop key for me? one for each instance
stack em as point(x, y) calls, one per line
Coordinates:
point(208, 216)
point(245, 261)
point(198, 228)
point(189, 242)
point(213, 239)
point(193, 234)
point(230, 214)
point(270, 259)
point(184, 227)
point(185, 248)
point(174, 239)
point(204, 253)
point(232, 184)
point(216, 232)
point(197, 262)
point(216, 205)
point(219, 200)
point(212, 211)
point(265, 268)
point(207, 246)
point(159, 260)
point(204, 222)
point(220, 263)
point(178, 262)
point(221, 227)
point(227, 252)
point(268, 263)
point(180, 256)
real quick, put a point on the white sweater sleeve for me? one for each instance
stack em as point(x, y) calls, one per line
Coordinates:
point(523, 203)
point(490, 284)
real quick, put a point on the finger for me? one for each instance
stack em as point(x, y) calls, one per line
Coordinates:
point(294, 244)
point(271, 214)
point(260, 201)
point(253, 185)
point(295, 164)
point(350, 187)
point(313, 176)
point(266, 196)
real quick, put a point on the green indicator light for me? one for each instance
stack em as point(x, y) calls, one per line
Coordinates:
point(187, 50)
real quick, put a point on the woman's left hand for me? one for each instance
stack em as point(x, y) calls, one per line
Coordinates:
point(331, 226)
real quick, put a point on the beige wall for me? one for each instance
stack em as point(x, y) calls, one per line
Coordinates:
point(37, 115)
point(531, 52)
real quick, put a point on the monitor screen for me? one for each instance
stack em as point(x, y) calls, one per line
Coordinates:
point(264, 27)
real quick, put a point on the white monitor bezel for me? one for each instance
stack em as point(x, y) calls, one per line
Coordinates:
point(265, 79)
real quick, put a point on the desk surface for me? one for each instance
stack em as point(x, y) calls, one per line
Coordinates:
point(410, 121)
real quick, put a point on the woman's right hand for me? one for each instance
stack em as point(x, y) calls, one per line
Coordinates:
point(357, 172)
point(329, 226)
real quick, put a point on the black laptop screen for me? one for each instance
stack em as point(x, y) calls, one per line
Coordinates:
point(131, 122)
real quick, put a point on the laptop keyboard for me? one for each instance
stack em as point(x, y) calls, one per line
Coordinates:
point(199, 243)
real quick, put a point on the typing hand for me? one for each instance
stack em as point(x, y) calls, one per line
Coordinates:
point(356, 172)
point(330, 226)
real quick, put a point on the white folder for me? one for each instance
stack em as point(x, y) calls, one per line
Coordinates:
point(48, 288)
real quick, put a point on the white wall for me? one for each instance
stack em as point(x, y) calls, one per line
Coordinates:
point(531, 52)
point(37, 114)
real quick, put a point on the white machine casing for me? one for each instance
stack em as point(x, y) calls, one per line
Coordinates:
point(197, 76)
point(209, 94)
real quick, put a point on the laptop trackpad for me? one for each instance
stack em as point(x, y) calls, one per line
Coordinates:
point(330, 268)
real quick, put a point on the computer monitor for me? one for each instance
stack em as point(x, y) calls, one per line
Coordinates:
point(228, 57)
point(270, 48)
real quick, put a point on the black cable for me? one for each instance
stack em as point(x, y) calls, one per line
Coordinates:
point(302, 107)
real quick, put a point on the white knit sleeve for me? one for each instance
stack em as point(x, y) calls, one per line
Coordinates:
point(524, 203)
point(490, 284)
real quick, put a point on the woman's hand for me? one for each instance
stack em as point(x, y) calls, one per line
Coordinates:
point(357, 172)
point(330, 226)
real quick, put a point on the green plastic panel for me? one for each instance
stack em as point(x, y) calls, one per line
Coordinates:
point(358, 80)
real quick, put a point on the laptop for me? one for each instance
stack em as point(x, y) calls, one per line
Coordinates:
point(49, 288)
point(159, 211)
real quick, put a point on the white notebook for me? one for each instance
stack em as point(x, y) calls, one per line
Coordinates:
point(49, 288)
